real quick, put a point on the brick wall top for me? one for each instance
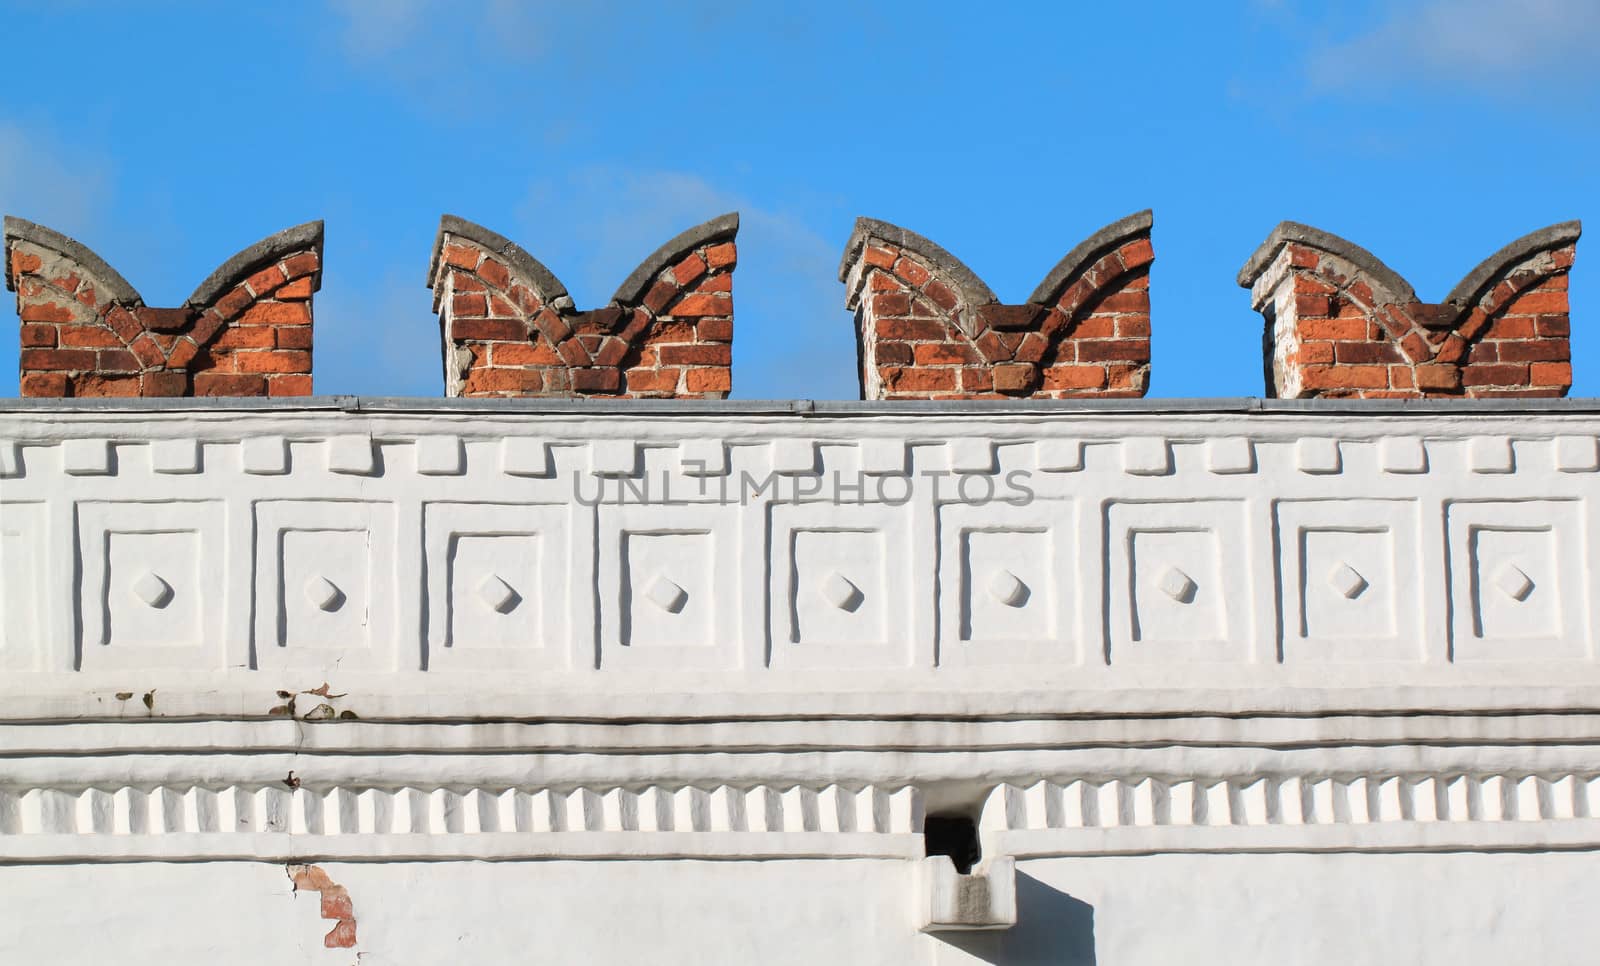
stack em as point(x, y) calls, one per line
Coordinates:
point(509, 327)
point(244, 331)
point(928, 326)
point(1341, 322)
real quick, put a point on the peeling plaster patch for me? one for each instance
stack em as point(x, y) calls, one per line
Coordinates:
point(336, 904)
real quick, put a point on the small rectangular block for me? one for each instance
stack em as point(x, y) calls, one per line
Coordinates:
point(264, 455)
point(87, 457)
point(971, 455)
point(1059, 455)
point(441, 456)
point(1231, 454)
point(1493, 454)
point(352, 454)
point(10, 458)
point(883, 457)
point(522, 456)
point(175, 456)
point(614, 457)
point(794, 457)
point(1318, 455)
point(703, 457)
point(1146, 456)
point(1574, 454)
point(1403, 454)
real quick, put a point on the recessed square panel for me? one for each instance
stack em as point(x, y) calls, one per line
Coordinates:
point(1517, 581)
point(1350, 580)
point(325, 587)
point(667, 595)
point(1178, 582)
point(1007, 578)
point(23, 635)
point(152, 589)
point(840, 593)
point(669, 586)
point(498, 585)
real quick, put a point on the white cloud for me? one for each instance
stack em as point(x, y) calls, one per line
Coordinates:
point(44, 182)
point(1495, 46)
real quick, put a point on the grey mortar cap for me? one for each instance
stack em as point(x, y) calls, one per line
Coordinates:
point(521, 263)
point(22, 230)
point(1555, 236)
point(633, 287)
point(1087, 251)
point(267, 251)
point(1293, 231)
point(966, 279)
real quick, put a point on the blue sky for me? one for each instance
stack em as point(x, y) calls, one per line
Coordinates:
point(1431, 132)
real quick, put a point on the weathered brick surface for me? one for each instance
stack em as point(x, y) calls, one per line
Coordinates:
point(334, 902)
point(246, 331)
point(928, 328)
point(1340, 323)
point(510, 329)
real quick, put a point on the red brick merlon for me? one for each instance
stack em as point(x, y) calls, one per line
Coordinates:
point(1339, 322)
point(928, 328)
point(508, 327)
point(245, 331)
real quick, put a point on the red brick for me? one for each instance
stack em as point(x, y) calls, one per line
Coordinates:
point(667, 333)
point(147, 351)
point(182, 353)
point(1332, 329)
point(249, 337)
point(691, 306)
point(23, 263)
point(233, 303)
point(716, 283)
point(654, 380)
point(503, 330)
point(1536, 350)
point(341, 936)
point(1074, 377)
point(494, 273)
point(723, 255)
point(36, 336)
point(264, 281)
point(1095, 327)
point(460, 256)
point(1534, 303)
point(1550, 374)
point(1136, 303)
point(469, 306)
point(228, 384)
point(1510, 329)
point(686, 271)
point(893, 353)
point(1415, 347)
point(93, 385)
point(289, 384)
point(60, 359)
point(46, 312)
point(522, 354)
point(1113, 350)
point(278, 360)
point(1138, 252)
point(919, 380)
point(911, 271)
point(660, 294)
point(1013, 377)
point(941, 294)
point(912, 330)
point(708, 380)
point(298, 289)
point(891, 304)
point(517, 381)
point(44, 385)
point(596, 380)
point(165, 384)
point(1344, 377)
point(116, 360)
point(298, 265)
point(1438, 377)
point(945, 354)
point(277, 313)
point(696, 355)
point(1498, 375)
point(1366, 353)
point(715, 330)
point(293, 336)
point(878, 257)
